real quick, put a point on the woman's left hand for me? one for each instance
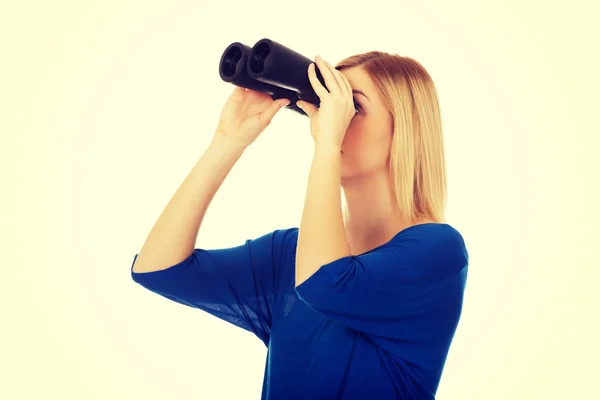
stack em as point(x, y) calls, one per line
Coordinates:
point(328, 123)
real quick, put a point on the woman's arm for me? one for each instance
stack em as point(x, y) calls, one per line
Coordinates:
point(321, 237)
point(173, 237)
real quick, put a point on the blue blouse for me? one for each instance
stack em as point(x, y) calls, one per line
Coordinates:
point(372, 326)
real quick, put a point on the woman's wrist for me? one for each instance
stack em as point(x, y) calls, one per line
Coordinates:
point(227, 144)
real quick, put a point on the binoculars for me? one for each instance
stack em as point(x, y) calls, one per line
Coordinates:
point(271, 68)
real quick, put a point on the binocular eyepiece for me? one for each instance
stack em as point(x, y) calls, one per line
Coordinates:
point(270, 68)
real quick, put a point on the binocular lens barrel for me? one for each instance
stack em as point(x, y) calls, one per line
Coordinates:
point(231, 61)
point(258, 57)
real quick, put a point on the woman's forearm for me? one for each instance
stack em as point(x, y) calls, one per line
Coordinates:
point(173, 236)
point(321, 236)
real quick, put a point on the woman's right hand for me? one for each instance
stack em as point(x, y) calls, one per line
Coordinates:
point(246, 114)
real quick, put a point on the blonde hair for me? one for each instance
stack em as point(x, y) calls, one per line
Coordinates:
point(417, 164)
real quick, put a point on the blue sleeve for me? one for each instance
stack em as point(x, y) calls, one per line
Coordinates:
point(236, 284)
point(401, 290)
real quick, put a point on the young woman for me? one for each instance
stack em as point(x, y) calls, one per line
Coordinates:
point(360, 301)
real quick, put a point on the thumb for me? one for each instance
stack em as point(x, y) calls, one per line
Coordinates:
point(308, 108)
point(275, 106)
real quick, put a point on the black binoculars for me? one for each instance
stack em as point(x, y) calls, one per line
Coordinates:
point(270, 68)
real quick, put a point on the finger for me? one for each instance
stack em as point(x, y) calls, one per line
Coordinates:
point(316, 84)
point(339, 78)
point(269, 113)
point(308, 108)
point(346, 82)
point(330, 81)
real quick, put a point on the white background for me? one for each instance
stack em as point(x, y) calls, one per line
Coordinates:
point(106, 106)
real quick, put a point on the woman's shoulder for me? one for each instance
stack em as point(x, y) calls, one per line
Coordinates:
point(436, 244)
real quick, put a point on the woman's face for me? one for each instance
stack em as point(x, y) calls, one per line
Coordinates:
point(367, 143)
